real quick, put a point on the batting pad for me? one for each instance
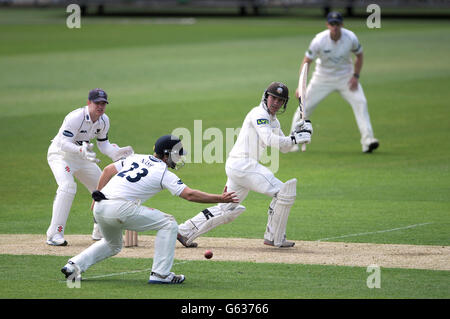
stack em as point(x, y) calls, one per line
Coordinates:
point(210, 218)
point(281, 209)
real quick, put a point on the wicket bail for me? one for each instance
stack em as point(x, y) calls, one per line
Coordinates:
point(131, 238)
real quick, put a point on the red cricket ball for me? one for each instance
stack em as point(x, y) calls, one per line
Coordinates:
point(208, 254)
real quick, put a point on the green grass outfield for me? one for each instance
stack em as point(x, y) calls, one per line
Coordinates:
point(161, 75)
point(119, 278)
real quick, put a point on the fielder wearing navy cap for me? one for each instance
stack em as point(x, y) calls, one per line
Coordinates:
point(98, 95)
point(334, 17)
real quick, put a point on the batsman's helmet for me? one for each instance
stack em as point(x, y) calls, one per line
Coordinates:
point(278, 90)
point(171, 146)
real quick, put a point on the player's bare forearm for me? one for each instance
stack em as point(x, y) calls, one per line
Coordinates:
point(108, 172)
point(305, 60)
point(358, 63)
point(194, 195)
point(354, 80)
point(197, 196)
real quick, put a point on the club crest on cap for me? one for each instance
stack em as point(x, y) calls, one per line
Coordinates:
point(279, 90)
point(334, 17)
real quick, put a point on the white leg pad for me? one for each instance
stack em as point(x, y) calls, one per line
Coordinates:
point(207, 220)
point(61, 208)
point(279, 210)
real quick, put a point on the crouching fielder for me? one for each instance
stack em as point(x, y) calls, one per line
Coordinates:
point(124, 186)
point(260, 129)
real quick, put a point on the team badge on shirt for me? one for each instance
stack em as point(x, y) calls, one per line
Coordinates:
point(68, 133)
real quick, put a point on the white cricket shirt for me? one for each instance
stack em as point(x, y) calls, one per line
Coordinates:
point(141, 177)
point(78, 127)
point(334, 58)
point(259, 130)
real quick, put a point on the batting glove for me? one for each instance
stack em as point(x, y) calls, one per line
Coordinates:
point(87, 153)
point(303, 126)
point(301, 137)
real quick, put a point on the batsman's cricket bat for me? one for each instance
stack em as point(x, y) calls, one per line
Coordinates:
point(302, 94)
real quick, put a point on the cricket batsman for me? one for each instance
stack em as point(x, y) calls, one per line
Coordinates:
point(260, 129)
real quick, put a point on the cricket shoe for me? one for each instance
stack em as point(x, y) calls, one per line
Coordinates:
point(71, 271)
point(96, 232)
point(57, 240)
point(183, 241)
point(285, 243)
point(373, 145)
point(171, 278)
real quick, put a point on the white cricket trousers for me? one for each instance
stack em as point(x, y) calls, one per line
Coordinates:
point(244, 175)
point(114, 216)
point(320, 87)
point(64, 169)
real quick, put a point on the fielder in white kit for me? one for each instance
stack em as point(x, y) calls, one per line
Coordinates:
point(334, 71)
point(124, 186)
point(260, 129)
point(70, 154)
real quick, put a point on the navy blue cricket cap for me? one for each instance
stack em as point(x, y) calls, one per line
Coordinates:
point(334, 17)
point(98, 95)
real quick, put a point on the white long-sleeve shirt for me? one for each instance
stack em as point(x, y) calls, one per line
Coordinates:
point(77, 128)
point(334, 58)
point(259, 130)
